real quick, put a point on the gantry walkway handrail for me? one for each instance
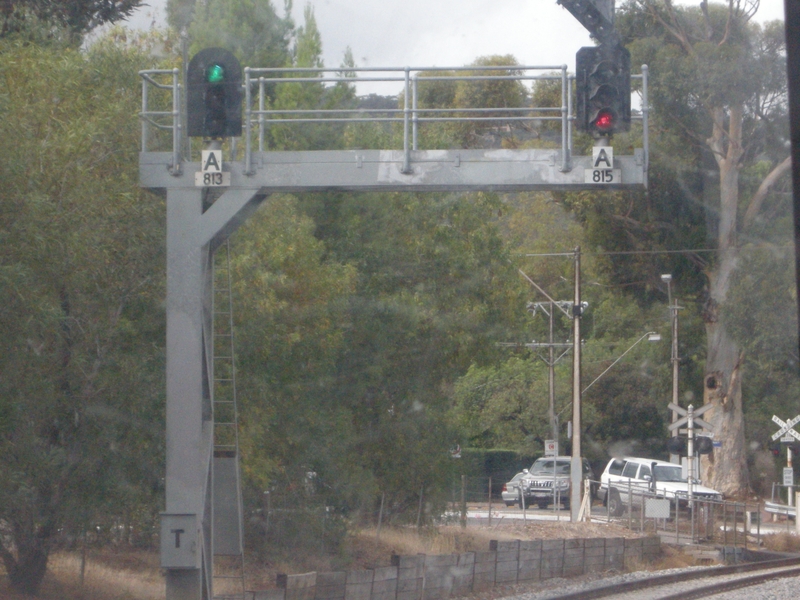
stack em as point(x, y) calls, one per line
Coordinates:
point(258, 116)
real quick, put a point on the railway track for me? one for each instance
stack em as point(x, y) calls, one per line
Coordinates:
point(693, 584)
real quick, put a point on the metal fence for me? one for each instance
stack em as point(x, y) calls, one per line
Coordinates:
point(690, 521)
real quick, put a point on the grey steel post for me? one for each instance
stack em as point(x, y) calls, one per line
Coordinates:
point(189, 427)
point(564, 119)
point(260, 114)
point(630, 505)
point(248, 114)
point(176, 123)
point(463, 501)
point(145, 109)
point(673, 306)
point(690, 464)
point(675, 357)
point(576, 466)
point(414, 115)
point(690, 448)
point(406, 114)
point(551, 376)
point(790, 489)
point(569, 119)
point(645, 120)
point(796, 520)
point(187, 142)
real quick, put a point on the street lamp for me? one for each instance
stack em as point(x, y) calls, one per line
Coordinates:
point(651, 336)
point(673, 306)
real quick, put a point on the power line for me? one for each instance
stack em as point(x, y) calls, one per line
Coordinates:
point(625, 252)
point(642, 252)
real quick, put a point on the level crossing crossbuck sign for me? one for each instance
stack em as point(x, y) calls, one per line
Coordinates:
point(685, 418)
point(786, 431)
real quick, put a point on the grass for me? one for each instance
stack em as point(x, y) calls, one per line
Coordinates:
point(108, 575)
point(135, 575)
point(782, 542)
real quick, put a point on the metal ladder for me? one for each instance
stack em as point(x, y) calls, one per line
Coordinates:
point(228, 576)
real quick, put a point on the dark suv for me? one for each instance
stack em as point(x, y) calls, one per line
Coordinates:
point(548, 481)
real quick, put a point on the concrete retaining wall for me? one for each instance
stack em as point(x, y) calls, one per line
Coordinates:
point(438, 577)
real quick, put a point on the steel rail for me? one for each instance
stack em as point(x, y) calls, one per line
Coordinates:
point(735, 584)
point(682, 577)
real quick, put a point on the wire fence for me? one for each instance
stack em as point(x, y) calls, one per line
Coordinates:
point(685, 520)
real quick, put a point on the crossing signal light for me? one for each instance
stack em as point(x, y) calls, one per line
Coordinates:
point(214, 101)
point(676, 445)
point(603, 89)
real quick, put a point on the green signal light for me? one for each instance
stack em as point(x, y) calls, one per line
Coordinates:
point(215, 74)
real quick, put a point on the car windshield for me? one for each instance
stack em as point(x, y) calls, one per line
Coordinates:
point(545, 467)
point(664, 473)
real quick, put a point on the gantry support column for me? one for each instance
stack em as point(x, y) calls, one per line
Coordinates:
point(193, 233)
point(185, 530)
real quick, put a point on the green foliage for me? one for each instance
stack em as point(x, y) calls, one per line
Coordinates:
point(47, 21)
point(80, 311)
point(307, 54)
point(250, 29)
point(354, 324)
point(504, 406)
point(491, 93)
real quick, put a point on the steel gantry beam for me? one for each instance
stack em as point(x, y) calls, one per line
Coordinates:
point(381, 170)
point(200, 219)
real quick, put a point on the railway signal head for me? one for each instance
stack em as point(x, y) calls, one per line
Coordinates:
point(603, 89)
point(214, 100)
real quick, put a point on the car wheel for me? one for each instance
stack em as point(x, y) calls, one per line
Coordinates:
point(566, 504)
point(542, 505)
point(614, 503)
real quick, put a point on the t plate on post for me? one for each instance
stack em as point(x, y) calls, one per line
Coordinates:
point(179, 542)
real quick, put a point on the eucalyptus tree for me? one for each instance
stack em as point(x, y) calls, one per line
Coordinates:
point(80, 302)
point(718, 90)
point(76, 17)
point(251, 29)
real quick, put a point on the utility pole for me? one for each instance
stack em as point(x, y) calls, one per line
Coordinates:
point(576, 466)
point(673, 306)
point(551, 376)
point(549, 309)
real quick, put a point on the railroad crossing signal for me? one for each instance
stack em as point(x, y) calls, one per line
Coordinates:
point(786, 431)
point(214, 100)
point(685, 417)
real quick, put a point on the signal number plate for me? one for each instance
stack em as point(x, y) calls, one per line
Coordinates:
point(212, 178)
point(601, 176)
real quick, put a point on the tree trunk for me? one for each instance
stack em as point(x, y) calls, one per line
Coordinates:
point(726, 469)
point(25, 573)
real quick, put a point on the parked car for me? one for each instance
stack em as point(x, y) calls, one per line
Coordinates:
point(659, 478)
point(548, 481)
point(510, 491)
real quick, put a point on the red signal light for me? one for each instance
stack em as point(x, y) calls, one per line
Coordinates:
point(604, 120)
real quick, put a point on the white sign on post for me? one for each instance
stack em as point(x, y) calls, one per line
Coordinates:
point(788, 476)
point(211, 173)
point(602, 170)
point(550, 448)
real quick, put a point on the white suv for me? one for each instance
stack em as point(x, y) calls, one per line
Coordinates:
point(657, 478)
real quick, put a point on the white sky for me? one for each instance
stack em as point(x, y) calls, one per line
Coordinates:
point(444, 33)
